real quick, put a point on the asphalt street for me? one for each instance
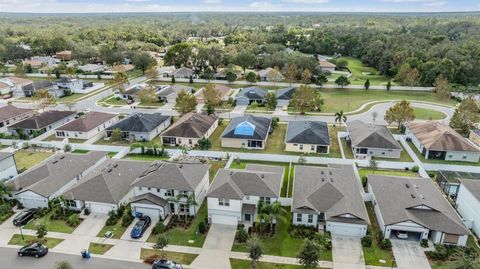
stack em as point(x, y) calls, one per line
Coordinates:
point(10, 260)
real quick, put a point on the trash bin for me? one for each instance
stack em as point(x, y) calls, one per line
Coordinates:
point(85, 254)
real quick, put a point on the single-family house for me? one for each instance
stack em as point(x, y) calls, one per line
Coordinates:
point(329, 198)
point(190, 128)
point(106, 187)
point(246, 96)
point(132, 92)
point(468, 202)
point(284, 96)
point(435, 140)
point(183, 72)
point(92, 68)
point(474, 136)
point(44, 122)
point(372, 140)
point(170, 188)
point(141, 126)
point(29, 90)
point(269, 74)
point(11, 114)
point(48, 180)
point(166, 71)
point(326, 66)
point(8, 166)
point(234, 195)
point(248, 132)
point(86, 126)
point(169, 94)
point(65, 55)
point(222, 90)
point(415, 206)
point(72, 84)
point(449, 181)
point(13, 85)
point(307, 137)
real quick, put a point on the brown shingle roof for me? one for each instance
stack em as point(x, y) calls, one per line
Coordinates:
point(43, 120)
point(87, 122)
point(8, 112)
point(191, 125)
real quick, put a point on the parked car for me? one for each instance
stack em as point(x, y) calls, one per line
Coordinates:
point(140, 227)
point(34, 250)
point(401, 235)
point(24, 217)
point(166, 264)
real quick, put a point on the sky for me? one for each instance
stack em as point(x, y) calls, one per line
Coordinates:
point(89, 6)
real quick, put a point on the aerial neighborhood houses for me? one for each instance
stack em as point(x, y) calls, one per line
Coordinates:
point(11, 85)
point(168, 94)
point(140, 126)
point(189, 129)
point(307, 137)
point(247, 96)
point(11, 114)
point(223, 91)
point(87, 126)
point(249, 132)
point(41, 123)
point(284, 96)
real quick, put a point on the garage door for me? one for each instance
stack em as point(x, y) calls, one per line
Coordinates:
point(100, 208)
point(154, 214)
point(226, 220)
point(347, 230)
point(33, 203)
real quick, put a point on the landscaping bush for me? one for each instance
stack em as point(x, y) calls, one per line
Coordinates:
point(385, 244)
point(325, 240)
point(424, 243)
point(431, 174)
point(127, 219)
point(112, 218)
point(150, 259)
point(86, 211)
point(41, 212)
point(158, 228)
point(415, 168)
point(441, 252)
point(202, 227)
point(73, 220)
point(303, 231)
point(241, 236)
point(5, 209)
point(367, 240)
point(364, 181)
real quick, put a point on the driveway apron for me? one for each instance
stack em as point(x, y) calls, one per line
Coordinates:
point(347, 252)
point(215, 253)
point(409, 255)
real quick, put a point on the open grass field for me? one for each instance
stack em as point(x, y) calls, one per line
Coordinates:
point(25, 159)
point(428, 114)
point(362, 72)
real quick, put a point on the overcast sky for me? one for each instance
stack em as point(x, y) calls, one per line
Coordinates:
point(84, 6)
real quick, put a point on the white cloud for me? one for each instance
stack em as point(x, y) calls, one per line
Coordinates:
point(306, 1)
point(212, 1)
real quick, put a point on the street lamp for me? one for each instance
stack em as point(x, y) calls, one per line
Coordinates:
point(21, 232)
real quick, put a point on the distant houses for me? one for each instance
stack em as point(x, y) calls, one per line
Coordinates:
point(11, 114)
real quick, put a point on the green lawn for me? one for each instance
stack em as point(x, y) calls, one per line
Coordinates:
point(116, 229)
point(374, 254)
point(246, 264)
point(99, 249)
point(423, 160)
point(53, 137)
point(26, 159)
point(17, 240)
point(259, 109)
point(401, 173)
point(59, 226)
point(281, 244)
point(112, 100)
point(154, 104)
point(181, 258)
point(147, 158)
point(428, 114)
point(71, 98)
point(214, 167)
point(112, 154)
point(81, 151)
point(361, 72)
point(180, 236)
point(347, 150)
point(6, 216)
point(450, 263)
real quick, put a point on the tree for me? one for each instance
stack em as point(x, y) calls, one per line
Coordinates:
point(116, 135)
point(255, 250)
point(271, 100)
point(185, 102)
point(190, 79)
point(63, 265)
point(340, 117)
point(147, 95)
point(204, 144)
point(245, 60)
point(178, 55)
point(321, 79)
point(57, 73)
point(342, 81)
point(5, 191)
point(407, 76)
point(43, 99)
point(41, 231)
point(211, 95)
point(231, 77)
point(367, 84)
point(144, 61)
point(291, 73)
point(466, 116)
point(274, 75)
point(254, 105)
point(305, 98)
point(373, 164)
point(173, 79)
point(341, 63)
point(442, 88)
point(152, 72)
point(306, 76)
point(400, 113)
point(309, 255)
point(389, 85)
point(251, 77)
point(119, 80)
point(208, 73)
point(270, 212)
point(161, 243)
point(19, 70)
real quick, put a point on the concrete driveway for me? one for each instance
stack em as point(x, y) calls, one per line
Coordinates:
point(409, 255)
point(216, 249)
point(347, 252)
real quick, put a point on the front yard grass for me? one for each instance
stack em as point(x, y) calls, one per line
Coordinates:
point(98, 248)
point(181, 236)
point(374, 254)
point(118, 230)
point(246, 264)
point(178, 257)
point(25, 159)
point(112, 100)
point(423, 160)
point(17, 240)
point(428, 114)
point(148, 158)
point(59, 226)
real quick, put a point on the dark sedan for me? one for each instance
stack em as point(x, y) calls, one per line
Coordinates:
point(34, 250)
point(166, 264)
point(24, 217)
point(140, 227)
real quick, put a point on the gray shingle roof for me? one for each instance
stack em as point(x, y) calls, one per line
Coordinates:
point(252, 93)
point(174, 90)
point(38, 85)
point(333, 190)
point(262, 126)
point(5, 155)
point(9, 111)
point(87, 122)
point(150, 199)
point(140, 122)
point(43, 120)
point(108, 183)
point(172, 176)
point(308, 132)
point(52, 175)
point(397, 198)
point(235, 184)
point(473, 186)
point(371, 136)
point(286, 93)
point(191, 125)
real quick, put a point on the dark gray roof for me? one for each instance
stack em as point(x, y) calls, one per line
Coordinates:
point(333, 190)
point(286, 93)
point(50, 176)
point(5, 155)
point(308, 132)
point(38, 85)
point(473, 186)
point(262, 126)
point(235, 184)
point(398, 197)
point(193, 125)
point(9, 111)
point(252, 93)
point(455, 176)
point(150, 199)
point(108, 183)
point(173, 176)
point(140, 122)
point(371, 136)
point(41, 121)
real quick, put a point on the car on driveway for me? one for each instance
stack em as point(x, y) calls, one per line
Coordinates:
point(34, 250)
point(24, 217)
point(401, 235)
point(166, 264)
point(140, 227)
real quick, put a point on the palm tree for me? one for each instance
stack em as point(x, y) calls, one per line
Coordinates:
point(190, 201)
point(255, 250)
point(340, 116)
point(270, 212)
point(175, 200)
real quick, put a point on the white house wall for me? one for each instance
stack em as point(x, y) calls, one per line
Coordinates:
point(234, 209)
point(31, 199)
point(304, 219)
point(459, 156)
point(469, 208)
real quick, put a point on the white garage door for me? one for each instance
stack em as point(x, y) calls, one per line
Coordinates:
point(154, 214)
point(33, 203)
point(101, 208)
point(348, 230)
point(226, 220)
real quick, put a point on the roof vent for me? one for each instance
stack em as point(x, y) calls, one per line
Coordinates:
point(413, 196)
point(331, 173)
point(231, 173)
point(263, 176)
point(109, 170)
point(63, 157)
point(331, 179)
point(180, 166)
point(115, 166)
point(54, 162)
point(407, 186)
point(323, 179)
point(321, 172)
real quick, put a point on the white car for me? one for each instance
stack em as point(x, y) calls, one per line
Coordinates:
point(401, 235)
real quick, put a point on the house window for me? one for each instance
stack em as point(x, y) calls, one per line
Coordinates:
point(248, 217)
point(321, 217)
point(223, 202)
point(265, 200)
point(310, 218)
point(183, 193)
point(295, 145)
point(184, 208)
point(450, 156)
point(301, 146)
point(139, 188)
point(383, 153)
point(149, 188)
point(247, 197)
point(70, 203)
point(179, 141)
point(299, 217)
point(169, 193)
point(158, 190)
point(189, 141)
point(464, 157)
point(312, 147)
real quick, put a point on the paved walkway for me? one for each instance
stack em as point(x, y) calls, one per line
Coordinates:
point(347, 252)
point(409, 255)
point(215, 253)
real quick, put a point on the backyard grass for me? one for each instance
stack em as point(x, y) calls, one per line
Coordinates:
point(99, 249)
point(181, 258)
point(76, 140)
point(428, 114)
point(281, 244)
point(246, 264)
point(214, 167)
point(401, 173)
point(25, 159)
point(111, 154)
point(181, 236)
point(423, 160)
point(118, 230)
point(374, 254)
point(59, 226)
point(347, 151)
point(17, 240)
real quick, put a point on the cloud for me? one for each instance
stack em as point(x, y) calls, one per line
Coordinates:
point(306, 1)
point(212, 1)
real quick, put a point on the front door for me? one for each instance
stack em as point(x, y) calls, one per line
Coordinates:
point(172, 208)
